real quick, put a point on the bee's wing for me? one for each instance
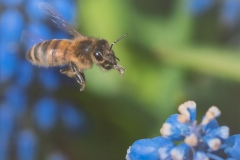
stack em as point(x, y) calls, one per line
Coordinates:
point(29, 39)
point(57, 19)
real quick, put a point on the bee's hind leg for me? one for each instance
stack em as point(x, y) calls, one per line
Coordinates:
point(79, 76)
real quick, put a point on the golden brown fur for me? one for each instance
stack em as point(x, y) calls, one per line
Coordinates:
point(61, 52)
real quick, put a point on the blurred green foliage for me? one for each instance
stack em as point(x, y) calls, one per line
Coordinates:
point(170, 58)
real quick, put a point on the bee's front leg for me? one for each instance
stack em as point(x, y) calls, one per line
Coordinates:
point(68, 72)
point(79, 76)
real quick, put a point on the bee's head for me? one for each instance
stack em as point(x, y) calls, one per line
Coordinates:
point(104, 56)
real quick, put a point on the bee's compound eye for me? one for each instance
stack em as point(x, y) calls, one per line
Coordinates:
point(98, 56)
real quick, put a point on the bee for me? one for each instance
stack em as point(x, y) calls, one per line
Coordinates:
point(79, 53)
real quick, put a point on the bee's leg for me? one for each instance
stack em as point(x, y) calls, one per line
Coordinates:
point(79, 76)
point(68, 72)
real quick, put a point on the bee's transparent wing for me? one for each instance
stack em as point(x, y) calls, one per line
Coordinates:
point(29, 39)
point(57, 19)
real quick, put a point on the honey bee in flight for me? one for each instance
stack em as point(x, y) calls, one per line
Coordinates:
point(79, 53)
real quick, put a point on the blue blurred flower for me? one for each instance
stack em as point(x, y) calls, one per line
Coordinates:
point(17, 74)
point(62, 8)
point(26, 145)
point(16, 97)
point(45, 113)
point(230, 12)
point(25, 74)
point(11, 25)
point(11, 3)
point(199, 7)
point(200, 141)
point(49, 78)
point(8, 62)
point(33, 11)
point(7, 119)
point(72, 117)
point(4, 146)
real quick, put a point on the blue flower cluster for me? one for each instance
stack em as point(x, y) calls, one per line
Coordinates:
point(229, 13)
point(203, 141)
point(24, 116)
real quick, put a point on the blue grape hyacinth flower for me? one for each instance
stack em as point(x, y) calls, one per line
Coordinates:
point(203, 141)
point(72, 118)
point(45, 113)
point(26, 145)
point(149, 148)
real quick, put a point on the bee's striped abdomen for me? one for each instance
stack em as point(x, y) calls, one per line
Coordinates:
point(49, 53)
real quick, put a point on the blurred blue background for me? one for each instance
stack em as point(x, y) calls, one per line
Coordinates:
point(175, 51)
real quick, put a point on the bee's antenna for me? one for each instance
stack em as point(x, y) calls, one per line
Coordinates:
point(118, 40)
